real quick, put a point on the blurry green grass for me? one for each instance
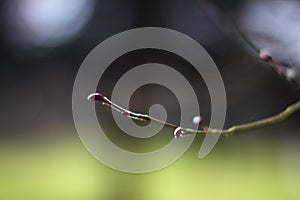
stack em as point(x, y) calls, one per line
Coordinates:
point(62, 169)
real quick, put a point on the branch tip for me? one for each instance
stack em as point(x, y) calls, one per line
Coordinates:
point(96, 97)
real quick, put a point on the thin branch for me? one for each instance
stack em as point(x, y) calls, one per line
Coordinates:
point(226, 17)
point(280, 68)
point(180, 131)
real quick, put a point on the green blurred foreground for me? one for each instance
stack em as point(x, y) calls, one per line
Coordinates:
point(239, 168)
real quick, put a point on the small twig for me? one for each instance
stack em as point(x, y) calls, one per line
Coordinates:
point(180, 131)
point(280, 68)
point(186, 131)
point(137, 116)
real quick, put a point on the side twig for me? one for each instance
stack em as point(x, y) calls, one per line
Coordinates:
point(180, 131)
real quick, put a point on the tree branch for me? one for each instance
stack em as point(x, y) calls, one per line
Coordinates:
point(181, 131)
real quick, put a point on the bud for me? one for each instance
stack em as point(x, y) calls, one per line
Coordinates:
point(197, 119)
point(96, 97)
point(265, 54)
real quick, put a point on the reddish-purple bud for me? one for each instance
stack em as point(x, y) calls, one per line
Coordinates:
point(265, 54)
point(96, 97)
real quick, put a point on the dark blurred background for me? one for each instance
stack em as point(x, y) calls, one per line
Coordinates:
point(43, 44)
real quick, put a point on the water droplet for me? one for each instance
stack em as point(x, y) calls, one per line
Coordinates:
point(178, 132)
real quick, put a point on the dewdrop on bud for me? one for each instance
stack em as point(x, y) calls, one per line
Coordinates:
point(95, 97)
point(197, 119)
point(265, 54)
point(98, 97)
point(178, 132)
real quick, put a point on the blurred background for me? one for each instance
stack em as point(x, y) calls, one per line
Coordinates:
point(43, 44)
